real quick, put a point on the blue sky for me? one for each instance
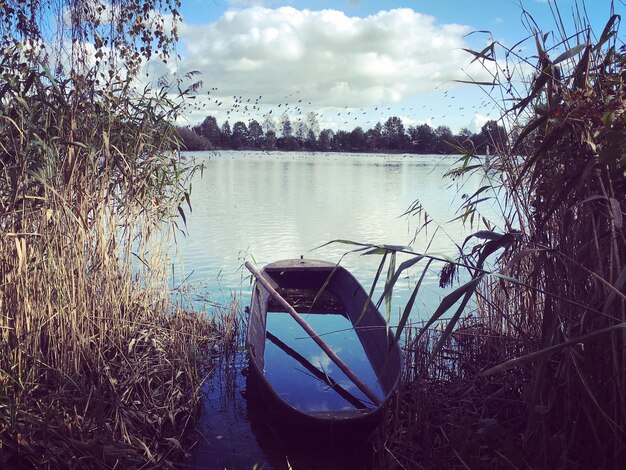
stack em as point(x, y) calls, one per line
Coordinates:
point(353, 62)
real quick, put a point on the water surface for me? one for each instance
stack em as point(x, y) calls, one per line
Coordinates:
point(295, 384)
point(272, 206)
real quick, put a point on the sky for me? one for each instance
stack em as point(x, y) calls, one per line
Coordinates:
point(353, 62)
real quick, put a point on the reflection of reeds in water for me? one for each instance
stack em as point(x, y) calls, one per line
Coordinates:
point(95, 370)
point(231, 327)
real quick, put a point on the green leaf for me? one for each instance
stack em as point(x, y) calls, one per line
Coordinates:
point(409, 305)
point(448, 302)
point(440, 256)
point(479, 191)
point(388, 286)
point(487, 235)
point(22, 102)
point(375, 251)
point(344, 242)
point(323, 288)
point(506, 278)
point(467, 294)
point(619, 287)
point(528, 129)
point(537, 85)
point(403, 266)
point(485, 54)
point(616, 212)
point(614, 150)
point(608, 118)
point(473, 82)
point(484, 235)
point(374, 282)
point(492, 246)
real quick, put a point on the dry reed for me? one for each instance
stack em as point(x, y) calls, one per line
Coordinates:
point(97, 369)
point(536, 377)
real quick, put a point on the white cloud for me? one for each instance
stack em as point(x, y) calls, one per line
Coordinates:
point(323, 362)
point(250, 3)
point(479, 121)
point(327, 57)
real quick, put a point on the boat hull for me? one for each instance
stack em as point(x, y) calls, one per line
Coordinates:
point(301, 282)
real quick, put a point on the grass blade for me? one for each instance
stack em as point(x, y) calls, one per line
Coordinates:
point(409, 305)
point(447, 302)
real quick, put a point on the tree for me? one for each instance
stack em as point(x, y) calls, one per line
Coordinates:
point(285, 125)
point(444, 138)
point(492, 135)
point(269, 124)
point(423, 139)
point(269, 142)
point(91, 180)
point(124, 32)
point(190, 140)
point(341, 141)
point(240, 136)
point(463, 134)
point(311, 141)
point(288, 143)
point(312, 123)
point(209, 129)
point(325, 139)
point(373, 136)
point(463, 139)
point(393, 135)
point(357, 140)
point(301, 131)
point(255, 133)
point(225, 137)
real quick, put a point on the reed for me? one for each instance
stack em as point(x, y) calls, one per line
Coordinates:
point(97, 368)
point(534, 376)
point(446, 414)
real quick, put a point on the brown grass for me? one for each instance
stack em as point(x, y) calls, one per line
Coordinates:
point(97, 368)
point(536, 377)
point(446, 415)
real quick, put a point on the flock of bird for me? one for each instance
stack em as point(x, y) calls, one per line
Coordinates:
point(245, 108)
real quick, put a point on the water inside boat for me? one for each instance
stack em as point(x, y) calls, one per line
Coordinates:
point(297, 385)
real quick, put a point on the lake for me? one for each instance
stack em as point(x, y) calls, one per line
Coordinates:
point(271, 206)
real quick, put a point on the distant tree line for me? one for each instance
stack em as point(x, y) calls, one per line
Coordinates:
point(305, 135)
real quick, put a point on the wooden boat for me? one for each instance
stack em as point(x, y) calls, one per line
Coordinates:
point(315, 287)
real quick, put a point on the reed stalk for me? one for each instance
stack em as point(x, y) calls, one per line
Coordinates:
point(533, 375)
point(97, 368)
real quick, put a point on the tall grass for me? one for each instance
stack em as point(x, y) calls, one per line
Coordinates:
point(535, 377)
point(97, 369)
